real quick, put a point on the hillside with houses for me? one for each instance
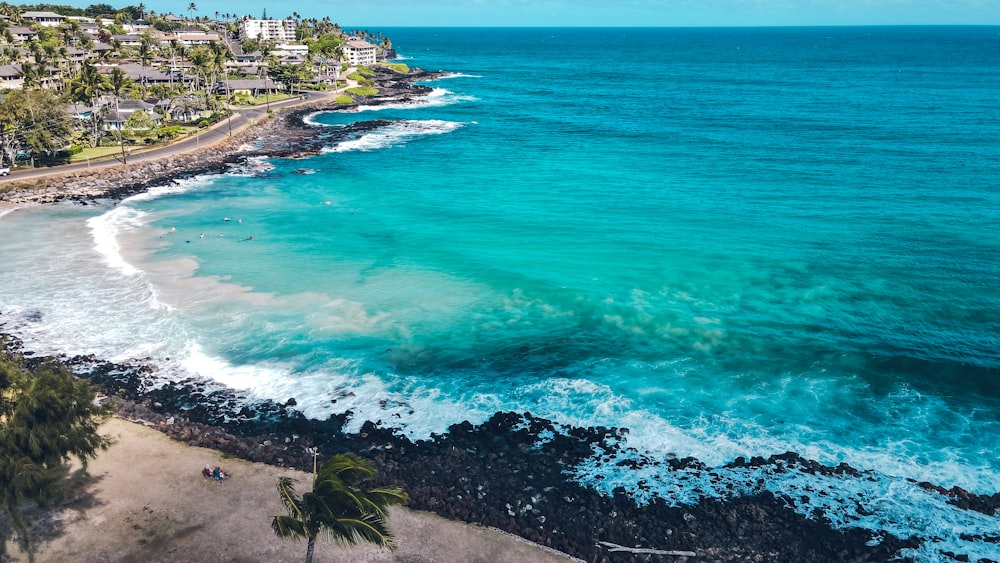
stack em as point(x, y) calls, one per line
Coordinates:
point(100, 78)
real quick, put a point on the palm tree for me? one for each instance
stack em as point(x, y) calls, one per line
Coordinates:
point(118, 82)
point(87, 87)
point(338, 506)
point(192, 8)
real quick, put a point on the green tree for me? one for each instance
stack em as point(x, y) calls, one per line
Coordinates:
point(139, 121)
point(34, 119)
point(338, 506)
point(87, 88)
point(329, 46)
point(46, 417)
point(118, 83)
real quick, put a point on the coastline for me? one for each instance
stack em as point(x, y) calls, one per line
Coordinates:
point(282, 134)
point(119, 515)
point(489, 473)
point(506, 474)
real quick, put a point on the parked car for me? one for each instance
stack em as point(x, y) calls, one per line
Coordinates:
point(4, 171)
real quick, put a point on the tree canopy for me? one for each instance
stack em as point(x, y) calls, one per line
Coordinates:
point(35, 121)
point(46, 417)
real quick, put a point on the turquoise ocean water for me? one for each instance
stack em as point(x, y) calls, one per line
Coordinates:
point(734, 242)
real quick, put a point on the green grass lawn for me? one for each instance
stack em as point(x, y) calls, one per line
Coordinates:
point(96, 153)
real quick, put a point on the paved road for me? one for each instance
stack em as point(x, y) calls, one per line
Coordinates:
point(238, 120)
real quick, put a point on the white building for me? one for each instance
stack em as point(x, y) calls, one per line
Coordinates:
point(288, 50)
point(47, 19)
point(197, 38)
point(279, 31)
point(359, 52)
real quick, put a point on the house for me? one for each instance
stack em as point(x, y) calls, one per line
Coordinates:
point(145, 74)
point(11, 77)
point(359, 52)
point(251, 87)
point(47, 19)
point(183, 108)
point(128, 40)
point(90, 29)
point(22, 34)
point(197, 37)
point(280, 31)
point(289, 50)
point(115, 119)
point(79, 112)
point(137, 26)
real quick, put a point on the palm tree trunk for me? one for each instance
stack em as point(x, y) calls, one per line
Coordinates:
point(309, 549)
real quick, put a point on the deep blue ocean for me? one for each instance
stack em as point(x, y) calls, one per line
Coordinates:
point(734, 242)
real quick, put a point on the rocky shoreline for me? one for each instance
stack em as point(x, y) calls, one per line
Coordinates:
point(282, 135)
point(508, 472)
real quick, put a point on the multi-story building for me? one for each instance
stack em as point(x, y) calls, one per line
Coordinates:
point(359, 52)
point(279, 31)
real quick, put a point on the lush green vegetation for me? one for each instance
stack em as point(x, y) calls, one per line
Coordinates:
point(342, 99)
point(338, 506)
point(72, 64)
point(362, 91)
point(362, 80)
point(46, 417)
point(398, 67)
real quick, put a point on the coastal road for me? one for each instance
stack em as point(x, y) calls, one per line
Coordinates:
point(239, 119)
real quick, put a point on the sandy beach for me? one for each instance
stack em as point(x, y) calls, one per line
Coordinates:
point(147, 501)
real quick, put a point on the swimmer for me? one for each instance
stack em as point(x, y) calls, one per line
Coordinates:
point(221, 235)
point(202, 235)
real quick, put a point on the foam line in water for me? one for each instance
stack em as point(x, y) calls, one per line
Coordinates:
point(437, 97)
point(458, 75)
point(395, 134)
point(105, 229)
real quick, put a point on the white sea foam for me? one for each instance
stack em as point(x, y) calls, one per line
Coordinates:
point(105, 229)
point(885, 497)
point(395, 134)
point(253, 166)
point(437, 97)
point(311, 120)
point(458, 75)
point(178, 186)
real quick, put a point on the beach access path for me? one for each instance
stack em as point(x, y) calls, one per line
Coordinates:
point(146, 500)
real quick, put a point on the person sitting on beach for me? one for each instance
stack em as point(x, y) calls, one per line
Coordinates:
point(217, 474)
point(207, 470)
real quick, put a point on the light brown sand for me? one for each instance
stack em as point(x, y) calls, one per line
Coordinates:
point(149, 503)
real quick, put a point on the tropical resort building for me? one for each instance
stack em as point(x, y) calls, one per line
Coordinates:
point(278, 31)
point(359, 52)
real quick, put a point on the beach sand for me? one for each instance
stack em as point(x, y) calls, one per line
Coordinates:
point(148, 502)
